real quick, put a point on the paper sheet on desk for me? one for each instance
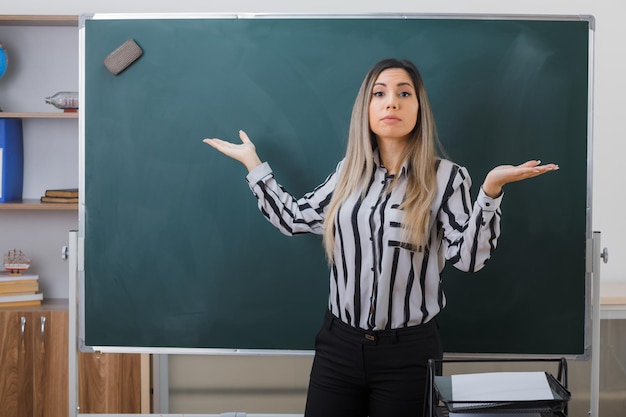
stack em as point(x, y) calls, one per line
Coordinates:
point(501, 386)
point(516, 414)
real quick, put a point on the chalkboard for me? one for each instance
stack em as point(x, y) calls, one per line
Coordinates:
point(176, 253)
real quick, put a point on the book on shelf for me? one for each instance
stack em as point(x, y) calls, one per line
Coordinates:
point(7, 276)
point(28, 286)
point(59, 200)
point(18, 284)
point(62, 192)
point(21, 300)
point(14, 304)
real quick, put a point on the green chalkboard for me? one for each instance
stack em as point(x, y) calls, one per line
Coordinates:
point(176, 253)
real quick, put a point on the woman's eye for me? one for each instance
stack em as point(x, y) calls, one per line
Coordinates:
point(377, 93)
point(405, 94)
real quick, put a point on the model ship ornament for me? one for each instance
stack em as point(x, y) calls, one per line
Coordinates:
point(16, 262)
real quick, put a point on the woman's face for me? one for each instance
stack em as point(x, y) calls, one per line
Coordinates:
point(393, 106)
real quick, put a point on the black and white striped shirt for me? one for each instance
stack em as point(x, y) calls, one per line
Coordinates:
point(376, 282)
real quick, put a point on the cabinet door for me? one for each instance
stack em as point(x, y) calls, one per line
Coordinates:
point(109, 383)
point(9, 344)
point(50, 357)
point(16, 366)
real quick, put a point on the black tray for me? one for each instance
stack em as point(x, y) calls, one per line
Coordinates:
point(443, 388)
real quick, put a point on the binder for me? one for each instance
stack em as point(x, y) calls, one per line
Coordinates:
point(11, 160)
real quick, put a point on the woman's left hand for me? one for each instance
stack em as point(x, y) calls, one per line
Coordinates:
point(504, 174)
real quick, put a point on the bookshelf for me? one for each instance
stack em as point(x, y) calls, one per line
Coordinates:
point(36, 43)
point(43, 59)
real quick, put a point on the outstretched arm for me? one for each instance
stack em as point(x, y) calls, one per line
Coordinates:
point(245, 152)
point(504, 174)
point(290, 215)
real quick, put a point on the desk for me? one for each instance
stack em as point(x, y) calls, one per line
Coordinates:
point(613, 300)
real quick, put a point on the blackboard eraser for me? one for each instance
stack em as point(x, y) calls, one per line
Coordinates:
point(121, 58)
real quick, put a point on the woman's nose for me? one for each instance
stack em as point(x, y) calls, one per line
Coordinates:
point(392, 103)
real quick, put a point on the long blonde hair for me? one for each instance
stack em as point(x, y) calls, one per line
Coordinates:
point(421, 155)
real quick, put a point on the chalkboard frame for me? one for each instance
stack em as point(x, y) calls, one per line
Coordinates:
point(83, 207)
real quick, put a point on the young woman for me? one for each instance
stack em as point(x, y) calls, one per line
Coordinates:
point(391, 215)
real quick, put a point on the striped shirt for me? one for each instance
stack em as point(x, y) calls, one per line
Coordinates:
point(376, 280)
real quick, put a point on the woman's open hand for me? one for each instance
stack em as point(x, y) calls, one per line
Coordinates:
point(504, 174)
point(244, 152)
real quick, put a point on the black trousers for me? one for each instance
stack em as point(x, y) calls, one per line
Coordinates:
point(357, 373)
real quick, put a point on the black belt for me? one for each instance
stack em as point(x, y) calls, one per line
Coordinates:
point(358, 335)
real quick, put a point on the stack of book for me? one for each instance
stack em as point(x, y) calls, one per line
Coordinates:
point(19, 290)
point(63, 195)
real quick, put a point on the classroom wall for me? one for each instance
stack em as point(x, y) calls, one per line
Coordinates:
point(609, 131)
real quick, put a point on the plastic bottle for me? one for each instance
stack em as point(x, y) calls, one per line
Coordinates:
point(64, 100)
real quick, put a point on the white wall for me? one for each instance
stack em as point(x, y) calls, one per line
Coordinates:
point(609, 131)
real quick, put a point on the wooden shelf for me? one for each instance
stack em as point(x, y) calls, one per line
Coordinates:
point(35, 204)
point(38, 20)
point(38, 115)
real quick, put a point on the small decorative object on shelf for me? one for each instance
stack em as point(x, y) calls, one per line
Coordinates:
point(65, 100)
point(16, 262)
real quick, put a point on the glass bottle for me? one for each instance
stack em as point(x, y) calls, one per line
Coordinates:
point(64, 100)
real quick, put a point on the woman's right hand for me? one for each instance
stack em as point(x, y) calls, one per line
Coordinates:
point(245, 152)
